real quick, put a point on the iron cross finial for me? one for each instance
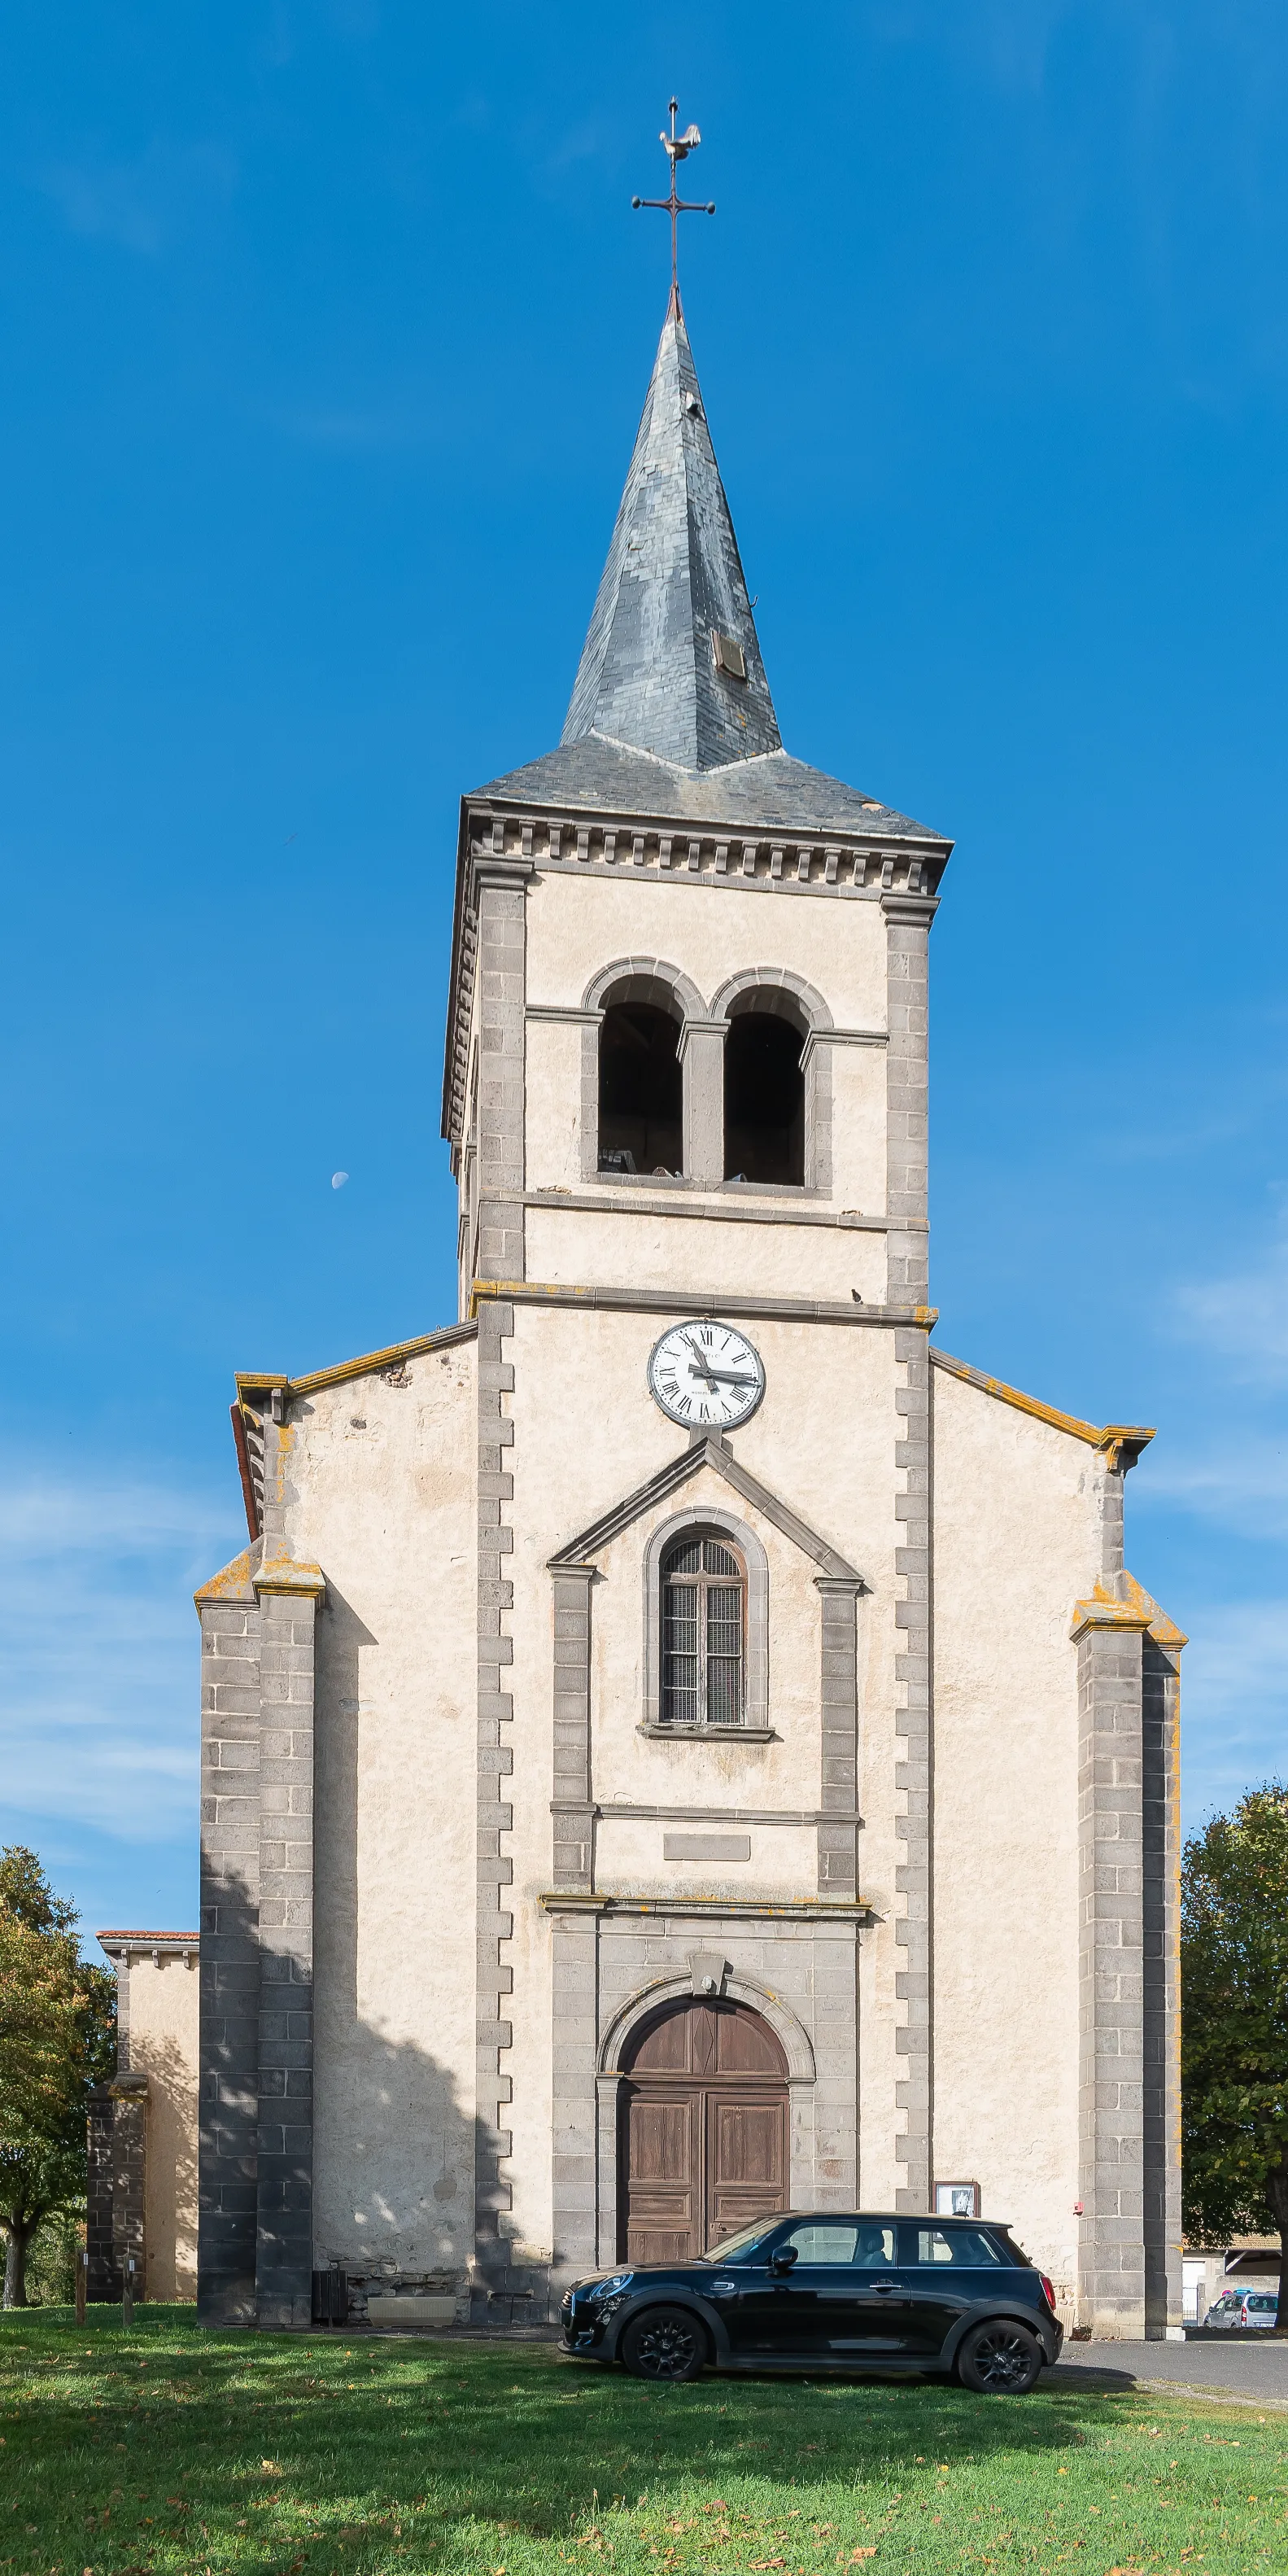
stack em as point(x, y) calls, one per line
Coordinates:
point(677, 148)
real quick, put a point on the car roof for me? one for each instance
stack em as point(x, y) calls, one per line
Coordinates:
point(891, 2218)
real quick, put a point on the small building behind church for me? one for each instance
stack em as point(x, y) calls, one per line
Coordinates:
point(142, 2142)
point(678, 1744)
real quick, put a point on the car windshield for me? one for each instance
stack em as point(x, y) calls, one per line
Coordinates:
point(735, 2249)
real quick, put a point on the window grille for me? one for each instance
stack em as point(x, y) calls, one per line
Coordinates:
point(704, 1596)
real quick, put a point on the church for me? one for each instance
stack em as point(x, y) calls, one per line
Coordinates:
point(677, 1744)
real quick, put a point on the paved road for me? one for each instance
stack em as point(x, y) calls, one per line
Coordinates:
point(1247, 2370)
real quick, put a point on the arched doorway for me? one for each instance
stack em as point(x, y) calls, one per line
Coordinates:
point(702, 2136)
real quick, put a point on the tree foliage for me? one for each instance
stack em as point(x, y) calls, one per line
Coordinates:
point(1234, 2005)
point(57, 2040)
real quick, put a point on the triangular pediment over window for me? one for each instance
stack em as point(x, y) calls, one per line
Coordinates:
point(678, 1472)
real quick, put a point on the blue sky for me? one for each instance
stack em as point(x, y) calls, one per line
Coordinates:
point(324, 328)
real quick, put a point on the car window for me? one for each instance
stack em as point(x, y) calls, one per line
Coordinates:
point(843, 2240)
point(1263, 2303)
point(959, 2245)
point(740, 2247)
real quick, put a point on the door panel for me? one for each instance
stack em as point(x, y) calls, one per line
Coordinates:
point(663, 2177)
point(746, 2159)
point(700, 2038)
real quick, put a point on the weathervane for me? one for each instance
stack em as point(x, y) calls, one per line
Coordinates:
point(677, 147)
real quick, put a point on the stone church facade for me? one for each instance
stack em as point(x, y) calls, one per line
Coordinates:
point(677, 1743)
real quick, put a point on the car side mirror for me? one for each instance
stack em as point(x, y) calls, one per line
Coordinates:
point(783, 2259)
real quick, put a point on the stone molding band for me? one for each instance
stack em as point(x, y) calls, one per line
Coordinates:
point(801, 1909)
point(666, 1301)
point(630, 1198)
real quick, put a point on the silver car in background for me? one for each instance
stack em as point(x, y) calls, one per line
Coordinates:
point(1243, 2308)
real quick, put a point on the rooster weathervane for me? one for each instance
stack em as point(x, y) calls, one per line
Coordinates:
point(677, 148)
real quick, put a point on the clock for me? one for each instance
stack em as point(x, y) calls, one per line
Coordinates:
point(706, 1374)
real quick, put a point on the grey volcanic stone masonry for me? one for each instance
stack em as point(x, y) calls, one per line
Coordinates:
point(502, 993)
point(838, 1833)
point(501, 981)
point(908, 920)
point(255, 2131)
point(1160, 2000)
point(104, 2277)
point(229, 1963)
point(805, 1971)
point(574, 1971)
point(129, 2095)
point(284, 2140)
point(495, 1814)
point(1111, 1981)
point(574, 1814)
point(913, 1723)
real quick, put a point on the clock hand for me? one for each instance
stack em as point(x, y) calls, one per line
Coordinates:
point(703, 1366)
point(730, 1377)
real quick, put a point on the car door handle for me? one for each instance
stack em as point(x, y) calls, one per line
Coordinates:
point(887, 2289)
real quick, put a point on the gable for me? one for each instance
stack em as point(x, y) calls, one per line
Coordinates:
point(672, 1480)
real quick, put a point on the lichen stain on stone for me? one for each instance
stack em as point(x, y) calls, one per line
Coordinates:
point(229, 1582)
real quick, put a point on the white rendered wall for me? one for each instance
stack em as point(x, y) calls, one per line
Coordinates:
point(579, 924)
point(164, 2010)
point(385, 1501)
point(1016, 1543)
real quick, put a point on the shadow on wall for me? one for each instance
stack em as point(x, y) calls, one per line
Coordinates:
point(392, 2179)
point(404, 2172)
point(170, 2229)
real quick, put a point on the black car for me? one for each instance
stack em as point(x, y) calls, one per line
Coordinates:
point(871, 2292)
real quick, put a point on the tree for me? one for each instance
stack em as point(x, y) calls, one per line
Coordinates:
point(1234, 2004)
point(57, 2040)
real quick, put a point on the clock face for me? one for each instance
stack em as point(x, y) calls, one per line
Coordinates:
point(706, 1374)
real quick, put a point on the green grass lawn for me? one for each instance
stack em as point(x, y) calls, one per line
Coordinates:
point(165, 2449)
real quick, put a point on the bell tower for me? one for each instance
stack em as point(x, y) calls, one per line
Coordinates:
point(688, 1025)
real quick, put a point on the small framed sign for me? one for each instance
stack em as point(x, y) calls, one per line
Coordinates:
point(957, 2199)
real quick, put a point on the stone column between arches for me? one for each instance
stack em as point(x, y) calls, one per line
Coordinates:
point(803, 1973)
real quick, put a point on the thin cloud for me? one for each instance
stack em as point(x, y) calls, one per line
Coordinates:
point(1241, 1315)
point(1234, 1702)
point(137, 204)
point(1239, 1485)
point(99, 1649)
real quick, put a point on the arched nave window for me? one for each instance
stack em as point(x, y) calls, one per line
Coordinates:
point(704, 1622)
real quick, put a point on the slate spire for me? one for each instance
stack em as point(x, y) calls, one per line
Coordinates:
point(654, 669)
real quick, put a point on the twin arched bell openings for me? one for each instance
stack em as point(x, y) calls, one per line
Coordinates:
point(735, 1094)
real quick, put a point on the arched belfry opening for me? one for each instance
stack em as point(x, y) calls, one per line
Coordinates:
point(764, 1099)
point(641, 1088)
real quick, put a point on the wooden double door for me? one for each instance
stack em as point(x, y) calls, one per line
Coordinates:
point(702, 2142)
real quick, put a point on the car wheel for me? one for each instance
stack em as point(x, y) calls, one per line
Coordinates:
point(1000, 2360)
point(664, 2343)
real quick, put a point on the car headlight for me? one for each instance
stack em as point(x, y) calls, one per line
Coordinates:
point(612, 2288)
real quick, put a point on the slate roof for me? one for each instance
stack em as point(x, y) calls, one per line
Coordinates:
point(673, 577)
point(774, 792)
point(654, 726)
